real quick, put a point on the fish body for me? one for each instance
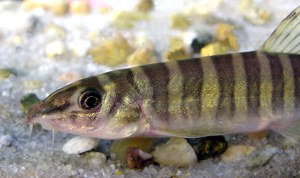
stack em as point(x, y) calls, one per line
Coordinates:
point(232, 93)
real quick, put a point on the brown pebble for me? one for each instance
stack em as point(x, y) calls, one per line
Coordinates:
point(258, 135)
point(70, 76)
point(137, 159)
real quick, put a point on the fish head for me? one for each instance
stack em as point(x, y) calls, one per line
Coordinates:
point(90, 107)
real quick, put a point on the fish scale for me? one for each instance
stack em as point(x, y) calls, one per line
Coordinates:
point(223, 94)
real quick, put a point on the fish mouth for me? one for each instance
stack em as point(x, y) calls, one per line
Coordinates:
point(36, 111)
point(37, 114)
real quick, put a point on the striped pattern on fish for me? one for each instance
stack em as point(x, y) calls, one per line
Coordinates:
point(231, 93)
point(232, 87)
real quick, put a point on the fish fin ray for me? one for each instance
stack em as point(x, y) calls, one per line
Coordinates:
point(286, 37)
point(291, 132)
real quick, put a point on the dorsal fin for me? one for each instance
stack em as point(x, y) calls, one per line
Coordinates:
point(286, 37)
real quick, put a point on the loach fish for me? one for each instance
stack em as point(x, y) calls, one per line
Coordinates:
point(216, 95)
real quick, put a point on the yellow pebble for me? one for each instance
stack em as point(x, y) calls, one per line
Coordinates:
point(127, 19)
point(253, 13)
point(32, 84)
point(105, 10)
point(225, 35)
point(79, 7)
point(213, 49)
point(141, 56)
point(180, 21)
point(118, 172)
point(30, 5)
point(112, 51)
point(145, 5)
point(176, 50)
point(58, 7)
point(223, 31)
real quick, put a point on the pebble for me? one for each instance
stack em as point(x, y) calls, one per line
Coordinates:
point(137, 159)
point(253, 13)
point(79, 7)
point(5, 73)
point(32, 84)
point(214, 48)
point(145, 5)
point(54, 49)
point(176, 152)
point(6, 140)
point(57, 7)
point(127, 19)
point(7, 5)
point(208, 147)
point(70, 76)
point(258, 135)
point(180, 22)
point(203, 8)
point(78, 145)
point(31, 5)
point(27, 101)
point(54, 31)
point(93, 159)
point(261, 157)
point(141, 56)
point(15, 40)
point(119, 147)
point(237, 152)
point(224, 34)
point(112, 51)
point(79, 47)
point(176, 50)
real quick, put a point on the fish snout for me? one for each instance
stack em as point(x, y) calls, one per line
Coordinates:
point(34, 112)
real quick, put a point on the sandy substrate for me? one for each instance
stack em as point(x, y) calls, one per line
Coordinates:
point(24, 156)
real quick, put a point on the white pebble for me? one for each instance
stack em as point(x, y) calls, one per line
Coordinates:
point(261, 157)
point(93, 159)
point(6, 140)
point(79, 145)
point(55, 48)
point(176, 152)
point(79, 47)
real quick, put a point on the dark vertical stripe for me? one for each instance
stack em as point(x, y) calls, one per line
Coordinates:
point(159, 77)
point(192, 74)
point(295, 61)
point(252, 70)
point(225, 74)
point(130, 79)
point(277, 83)
point(121, 86)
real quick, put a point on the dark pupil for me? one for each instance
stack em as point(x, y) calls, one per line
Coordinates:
point(90, 99)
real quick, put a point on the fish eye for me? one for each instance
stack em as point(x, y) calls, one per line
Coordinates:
point(89, 99)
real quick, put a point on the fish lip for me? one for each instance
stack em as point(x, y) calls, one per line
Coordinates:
point(36, 111)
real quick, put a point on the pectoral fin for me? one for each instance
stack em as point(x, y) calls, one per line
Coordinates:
point(291, 132)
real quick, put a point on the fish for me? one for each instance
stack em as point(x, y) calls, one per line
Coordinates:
point(215, 95)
